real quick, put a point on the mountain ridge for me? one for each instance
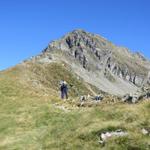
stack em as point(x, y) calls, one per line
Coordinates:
point(91, 55)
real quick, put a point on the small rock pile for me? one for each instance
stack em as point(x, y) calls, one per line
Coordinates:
point(88, 97)
point(88, 100)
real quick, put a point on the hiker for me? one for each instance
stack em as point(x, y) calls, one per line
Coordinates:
point(64, 90)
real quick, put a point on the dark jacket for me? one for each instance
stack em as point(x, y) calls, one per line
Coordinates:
point(64, 87)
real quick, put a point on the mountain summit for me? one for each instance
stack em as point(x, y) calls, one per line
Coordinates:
point(97, 61)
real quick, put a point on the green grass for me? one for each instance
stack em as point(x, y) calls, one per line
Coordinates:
point(29, 120)
point(50, 76)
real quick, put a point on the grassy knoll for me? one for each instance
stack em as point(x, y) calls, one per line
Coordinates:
point(29, 119)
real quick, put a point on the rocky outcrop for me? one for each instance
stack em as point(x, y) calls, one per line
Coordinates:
point(141, 94)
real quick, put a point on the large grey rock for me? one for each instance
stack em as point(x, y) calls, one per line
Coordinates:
point(107, 135)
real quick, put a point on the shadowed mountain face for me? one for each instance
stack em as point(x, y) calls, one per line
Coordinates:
point(97, 61)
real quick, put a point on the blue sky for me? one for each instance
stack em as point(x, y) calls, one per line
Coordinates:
point(27, 26)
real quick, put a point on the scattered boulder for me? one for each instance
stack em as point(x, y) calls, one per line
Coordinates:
point(84, 97)
point(105, 136)
point(143, 93)
point(98, 98)
point(88, 97)
point(127, 97)
point(145, 131)
point(88, 100)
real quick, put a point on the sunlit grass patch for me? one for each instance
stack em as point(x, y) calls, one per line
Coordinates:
point(30, 118)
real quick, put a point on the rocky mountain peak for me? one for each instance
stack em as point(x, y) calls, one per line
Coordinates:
point(80, 32)
point(89, 53)
point(78, 38)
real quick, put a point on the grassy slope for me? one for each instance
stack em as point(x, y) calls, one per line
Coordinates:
point(29, 119)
